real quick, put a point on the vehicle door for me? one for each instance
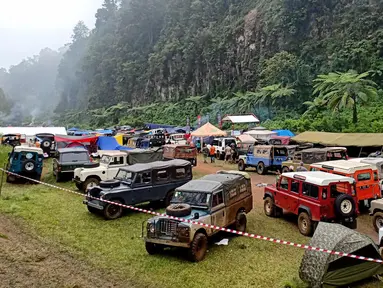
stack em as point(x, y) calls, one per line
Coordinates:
point(365, 184)
point(162, 184)
point(310, 199)
point(142, 188)
point(281, 197)
point(252, 155)
point(218, 214)
point(114, 165)
point(292, 197)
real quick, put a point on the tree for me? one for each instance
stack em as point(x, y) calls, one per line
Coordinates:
point(345, 90)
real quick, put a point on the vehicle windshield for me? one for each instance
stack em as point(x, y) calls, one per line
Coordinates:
point(124, 175)
point(105, 159)
point(194, 199)
point(75, 157)
point(280, 152)
point(336, 155)
point(178, 137)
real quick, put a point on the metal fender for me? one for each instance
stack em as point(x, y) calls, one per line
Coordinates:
point(305, 209)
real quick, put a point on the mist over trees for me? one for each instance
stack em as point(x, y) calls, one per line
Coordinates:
point(145, 58)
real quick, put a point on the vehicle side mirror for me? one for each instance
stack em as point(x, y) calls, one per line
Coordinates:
point(196, 216)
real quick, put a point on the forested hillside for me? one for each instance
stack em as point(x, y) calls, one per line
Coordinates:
point(166, 60)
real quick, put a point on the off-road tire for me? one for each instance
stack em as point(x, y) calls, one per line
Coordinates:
point(198, 248)
point(26, 164)
point(240, 221)
point(46, 144)
point(261, 169)
point(378, 217)
point(11, 178)
point(79, 186)
point(168, 198)
point(178, 210)
point(285, 169)
point(88, 181)
point(241, 165)
point(153, 248)
point(278, 212)
point(345, 206)
point(269, 207)
point(111, 211)
point(112, 183)
point(305, 225)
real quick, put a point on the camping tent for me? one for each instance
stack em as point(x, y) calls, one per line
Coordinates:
point(261, 134)
point(287, 133)
point(208, 130)
point(325, 270)
point(110, 143)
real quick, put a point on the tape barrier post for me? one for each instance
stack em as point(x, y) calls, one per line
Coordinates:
point(245, 234)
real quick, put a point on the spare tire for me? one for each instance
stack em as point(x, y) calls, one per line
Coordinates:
point(178, 210)
point(29, 166)
point(46, 144)
point(91, 165)
point(345, 205)
point(113, 183)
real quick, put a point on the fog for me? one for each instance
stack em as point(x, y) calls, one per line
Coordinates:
point(28, 26)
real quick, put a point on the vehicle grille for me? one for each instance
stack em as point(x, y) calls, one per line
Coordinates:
point(167, 227)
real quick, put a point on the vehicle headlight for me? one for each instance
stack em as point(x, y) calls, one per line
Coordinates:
point(151, 228)
point(183, 231)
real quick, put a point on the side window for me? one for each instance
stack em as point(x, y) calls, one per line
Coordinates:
point(180, 173)
point(217, 199)
point(143, 178)
point(284, 183)
point(162, 175)
point(117, 161)
point(376, 178)
point(364, 176)
point(310, 190)
point(295, 186)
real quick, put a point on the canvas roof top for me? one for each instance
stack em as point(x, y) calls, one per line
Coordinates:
point(248, 118)
point(140, 167)
point(341, 139)
point(246, 138)
point(210, 183)
point(31, 131)
point(345, 165)
point(319, 178)
point(327, 270)
point(208, 130)
point(28, 149)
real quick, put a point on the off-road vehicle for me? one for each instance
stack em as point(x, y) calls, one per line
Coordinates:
point(313, 196)
point(221, 199)
point(139, 183)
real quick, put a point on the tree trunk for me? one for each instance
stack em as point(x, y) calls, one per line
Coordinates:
point(354, 112)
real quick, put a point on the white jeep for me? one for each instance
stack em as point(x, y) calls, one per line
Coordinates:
point(110, 163)
point(220, 145)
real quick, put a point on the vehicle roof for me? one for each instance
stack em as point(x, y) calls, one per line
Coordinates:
point(141, 167)
point(326, 149)
point(178, 145)
point(210, 183)
point(344, 165)
point(371, 160)
point(270, 146)
point(319, 178)
point(72, 149)
point(28, 149)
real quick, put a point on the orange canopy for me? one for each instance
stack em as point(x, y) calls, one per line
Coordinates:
point(208, 130)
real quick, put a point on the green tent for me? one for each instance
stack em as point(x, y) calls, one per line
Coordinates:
point(323, 270)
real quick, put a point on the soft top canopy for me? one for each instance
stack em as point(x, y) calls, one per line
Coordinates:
point(328, 270)
point(141, 167)
point(341, 139)
point(28, 149)
point(144, 155)
point(211, 183)
point(72, 149)
point(246, 138)
point(318, 177)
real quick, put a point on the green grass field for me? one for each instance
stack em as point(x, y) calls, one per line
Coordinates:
point(61, 219)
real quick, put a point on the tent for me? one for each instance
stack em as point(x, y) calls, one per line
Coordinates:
point(325, 270)
point(32, 131)
point(66, 141)
point(261, 134)
point(341, 139)
point(208, 130)
point(119, 138)
point(246, 138)
point(248, 118)
point(110, 143)
point(286, 133)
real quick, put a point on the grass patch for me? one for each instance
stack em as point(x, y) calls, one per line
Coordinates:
point(3, 236)
point(63, 220)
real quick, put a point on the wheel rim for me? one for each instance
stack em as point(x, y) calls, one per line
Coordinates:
point(268, 207)
point(113, 210)
point(29, 166)
point(304, 224)
point(91, 185)
point(379, 222)
point(346, 206)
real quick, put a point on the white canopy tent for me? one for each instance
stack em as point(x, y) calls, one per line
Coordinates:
point(236, 119)
point(31, 131)
point(261, 134)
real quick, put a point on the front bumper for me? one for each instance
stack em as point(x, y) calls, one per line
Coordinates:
point(167, 242)
point(94, 204)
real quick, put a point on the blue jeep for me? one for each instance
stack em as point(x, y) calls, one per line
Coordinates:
point(263, 158)
point(25, 161)
point(138, 183)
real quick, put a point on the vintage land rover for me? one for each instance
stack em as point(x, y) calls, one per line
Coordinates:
point(221, 199)
point(139, 183)
point(313, 196)
point(110, 163)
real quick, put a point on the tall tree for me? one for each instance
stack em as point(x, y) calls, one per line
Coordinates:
point(345, 90)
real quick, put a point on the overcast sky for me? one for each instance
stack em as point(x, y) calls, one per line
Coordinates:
point(27, 26)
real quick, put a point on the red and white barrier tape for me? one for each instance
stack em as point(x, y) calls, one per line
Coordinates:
point(269, 239)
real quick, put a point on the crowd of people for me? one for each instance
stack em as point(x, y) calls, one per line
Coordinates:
point(209, 151)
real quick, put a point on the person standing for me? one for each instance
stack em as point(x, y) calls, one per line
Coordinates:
point(301, 168)
point(205, 152)
point(228, 153)
point(198, 145)
point(212, 154)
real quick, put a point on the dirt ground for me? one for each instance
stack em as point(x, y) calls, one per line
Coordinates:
point(26, 261)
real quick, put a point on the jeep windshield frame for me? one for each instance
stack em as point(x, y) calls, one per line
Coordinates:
point(105, 159)
point(125, 176)
point(191, 198)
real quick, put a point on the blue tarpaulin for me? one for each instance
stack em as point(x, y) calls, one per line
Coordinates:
point(287, 133)
point(110, 143)
point(156, 126)
point(101, 131)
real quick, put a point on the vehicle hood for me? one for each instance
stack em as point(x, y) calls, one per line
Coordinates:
point(89, 170)
point(201, 213)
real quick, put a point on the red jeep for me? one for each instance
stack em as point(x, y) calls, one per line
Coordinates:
point(313, 196)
